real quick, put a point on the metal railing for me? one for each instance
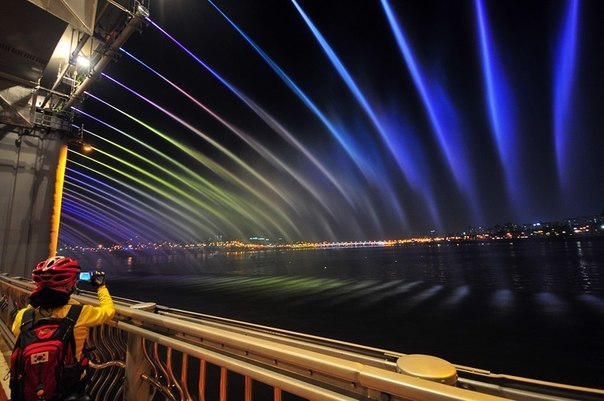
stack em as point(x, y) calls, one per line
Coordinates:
point(148, 352)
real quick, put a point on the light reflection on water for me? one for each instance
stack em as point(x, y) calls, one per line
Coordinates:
point(538, 266)
point(523, 308)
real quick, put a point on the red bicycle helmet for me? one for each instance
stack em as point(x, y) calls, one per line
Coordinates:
point(58, 273)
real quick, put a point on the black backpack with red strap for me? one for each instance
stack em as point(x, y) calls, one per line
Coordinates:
point(43, 364)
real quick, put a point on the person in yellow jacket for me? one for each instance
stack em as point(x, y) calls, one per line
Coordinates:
point(55, 280)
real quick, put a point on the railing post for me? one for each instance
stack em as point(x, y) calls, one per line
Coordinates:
point(136, 389)
point(137, 365)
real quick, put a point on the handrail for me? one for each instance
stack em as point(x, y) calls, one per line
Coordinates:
point(151, 352)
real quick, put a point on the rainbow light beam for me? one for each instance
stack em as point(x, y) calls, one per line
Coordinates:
point(206, 189)
point(217, 169)
point(110, 193)
point(175, 208)
point(270, 121)
point(311, 189)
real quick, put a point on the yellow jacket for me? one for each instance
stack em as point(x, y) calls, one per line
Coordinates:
point(89, 317)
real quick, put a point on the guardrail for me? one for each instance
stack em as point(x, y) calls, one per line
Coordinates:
point(148, 352)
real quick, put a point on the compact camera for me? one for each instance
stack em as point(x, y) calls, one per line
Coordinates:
point(89, 276)
point(86, 276)
point(95, 278)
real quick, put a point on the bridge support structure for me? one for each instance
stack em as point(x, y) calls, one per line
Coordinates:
point(41, 77)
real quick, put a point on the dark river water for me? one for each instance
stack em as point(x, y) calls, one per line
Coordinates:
point(527, 308)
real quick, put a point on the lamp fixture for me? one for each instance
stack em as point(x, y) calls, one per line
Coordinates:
point(79, 141)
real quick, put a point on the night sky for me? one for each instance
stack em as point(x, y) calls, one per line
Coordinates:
point(342, 120)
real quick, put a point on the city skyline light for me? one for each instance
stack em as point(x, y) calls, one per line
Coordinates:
point(341, 121)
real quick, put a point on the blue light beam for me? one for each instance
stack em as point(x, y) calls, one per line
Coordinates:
point(563, 100)
point(442, 116)
point(501, 112)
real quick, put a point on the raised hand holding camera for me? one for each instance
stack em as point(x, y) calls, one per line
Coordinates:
point(95, 278)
